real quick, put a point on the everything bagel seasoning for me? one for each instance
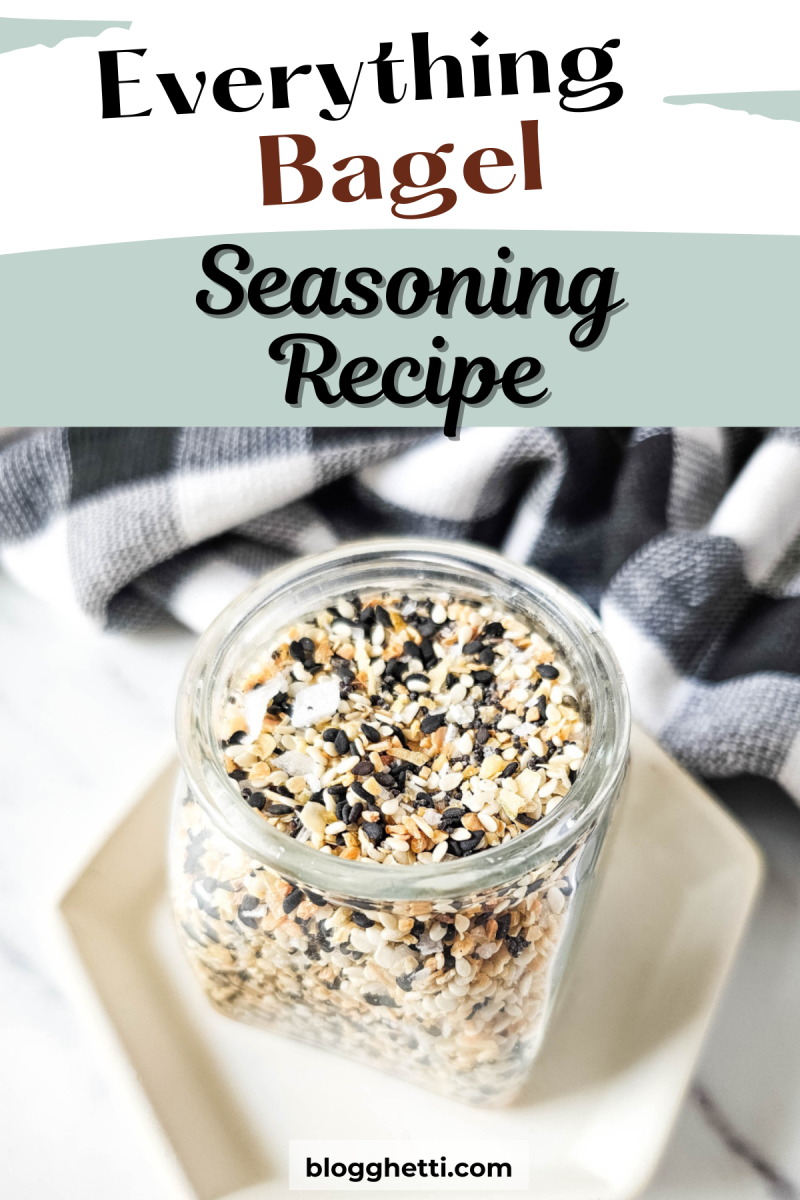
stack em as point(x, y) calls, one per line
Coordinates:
point(405, 730)
point(390, 729)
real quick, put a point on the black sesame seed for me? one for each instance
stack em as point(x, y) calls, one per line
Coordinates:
point(493, 630)
point(541, 704)
point(427, 653)
point(431, 723)
point(336, 789)
point(293, 900)
point(361, 791)
point(279, 810)
point(371, 998)
point(320, 901)
point(383, 617)
point(370, 733)
point(308, 645)
point(450, 681)
point(405, 981)
point(235, 738)
point(355, 813)
point(238, 774)
point(473, 647)
point(249, 902)
point(375, 700)
point(483, 676)
point(362, 920)
point(486, 656)
point(401, 737)
point(526, 820)
point(503, 924)
point(418, 678)
point(330, 735)
point(365, 767)
point(510, 770)
point(373, 830)
point(314, 668)
point(547, 670)
point(482, 735)
point(385, 779)
point(341, 742)
point(297, 652)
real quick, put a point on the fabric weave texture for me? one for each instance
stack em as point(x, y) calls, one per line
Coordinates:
point(686, 541)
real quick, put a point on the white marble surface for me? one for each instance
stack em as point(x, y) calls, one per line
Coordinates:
point(84, 719)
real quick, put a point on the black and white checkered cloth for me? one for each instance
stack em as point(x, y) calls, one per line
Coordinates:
point(686, 540)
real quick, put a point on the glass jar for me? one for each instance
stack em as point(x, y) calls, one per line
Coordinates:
point(448, 974)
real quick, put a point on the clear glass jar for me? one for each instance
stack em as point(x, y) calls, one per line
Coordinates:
point(493, 930)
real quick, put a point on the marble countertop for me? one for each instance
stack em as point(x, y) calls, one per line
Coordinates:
point(85, 718)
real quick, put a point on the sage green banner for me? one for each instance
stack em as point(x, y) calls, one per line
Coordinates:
point(112, 335)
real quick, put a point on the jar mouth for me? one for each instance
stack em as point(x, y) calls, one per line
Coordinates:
point(315, 581)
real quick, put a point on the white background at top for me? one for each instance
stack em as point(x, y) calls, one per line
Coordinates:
point(70, 178)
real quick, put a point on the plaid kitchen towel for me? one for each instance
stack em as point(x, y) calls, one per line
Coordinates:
point(687, 541)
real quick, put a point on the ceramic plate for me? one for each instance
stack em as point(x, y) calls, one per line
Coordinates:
point(222, 1100)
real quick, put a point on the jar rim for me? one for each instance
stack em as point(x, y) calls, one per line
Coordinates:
point(563, 615)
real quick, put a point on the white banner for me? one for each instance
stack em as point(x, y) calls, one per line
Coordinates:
point(406, 1166)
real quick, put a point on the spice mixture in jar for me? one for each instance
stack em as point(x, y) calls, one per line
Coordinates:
point(403, 730)
point(378, 851)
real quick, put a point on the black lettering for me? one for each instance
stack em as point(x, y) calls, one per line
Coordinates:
point(449, 285)
point(362, 292)
point(603, 64)
point(359, 370)
point(508, 72)
point(422, 70)
point(177, 96)
point(518, 373)
point(224, 82)
point(110, 83)
point(212, 271)
point(389, 381)
point(595, 312)
point(259, 287)
point(299, 370)
point(526, 289)
point(421, 288)
point(280, 77)
point(337, 90)
point(384, 69)
point(324, 300)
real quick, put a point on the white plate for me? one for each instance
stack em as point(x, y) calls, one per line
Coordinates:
point(222, 1100)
